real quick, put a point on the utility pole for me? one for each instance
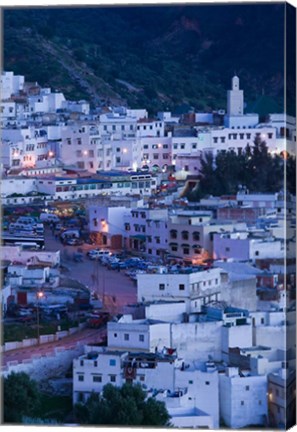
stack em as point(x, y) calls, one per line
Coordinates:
point(39, 295)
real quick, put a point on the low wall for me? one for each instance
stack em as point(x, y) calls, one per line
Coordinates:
point(8, 346)
point(45, 367)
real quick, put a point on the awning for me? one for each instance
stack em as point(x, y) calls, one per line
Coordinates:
point(138, 237)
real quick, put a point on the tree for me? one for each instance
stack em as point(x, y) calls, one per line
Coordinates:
point(122, 406)
point(255, 168)
point(21, 397)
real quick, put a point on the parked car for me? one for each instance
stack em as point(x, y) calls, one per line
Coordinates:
point(74, 242)
point(96, 321)
point(96, 254)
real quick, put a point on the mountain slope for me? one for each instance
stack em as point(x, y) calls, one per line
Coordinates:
point(149, 56)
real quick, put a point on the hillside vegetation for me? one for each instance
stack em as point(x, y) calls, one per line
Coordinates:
point(157, 57)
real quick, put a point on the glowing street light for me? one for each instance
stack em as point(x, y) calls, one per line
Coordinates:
point(51, 153)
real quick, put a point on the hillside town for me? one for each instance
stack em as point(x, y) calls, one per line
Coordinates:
point(114, 274)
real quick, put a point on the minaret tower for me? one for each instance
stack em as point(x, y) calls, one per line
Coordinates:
point(235, 99)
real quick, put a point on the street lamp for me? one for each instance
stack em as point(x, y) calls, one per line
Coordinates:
point(39, 295)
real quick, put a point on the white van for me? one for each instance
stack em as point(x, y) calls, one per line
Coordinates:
point(70, 234)
point(95, 254)
point(48, 217)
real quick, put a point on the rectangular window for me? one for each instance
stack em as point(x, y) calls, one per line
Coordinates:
point(207, 382)
point(161, 287)
point(126, 336)
point(112, 378)
point(97, 378)
point(112, 362)
point(81, 378)
point(242, 403)
point(141, 338)
point(247, 388)
point(181, 287)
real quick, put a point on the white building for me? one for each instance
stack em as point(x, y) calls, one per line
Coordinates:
point(235, 99)
point(82, 106)
point(11, 84)
point(155, 152)
point(100, 366)
point(243, 399)
point(191, 234)
point(46, 102)
point(240, 246)
point(143, 335)
point(58, 187)
point(202, 390)
point(167, 117)
point(199, 286)
point(150, 128)
point(28, 147)
point(138, 222)
point(82, 147)
point(282, 397)
point(108, 221)
point(235, 117)
point(116, 126)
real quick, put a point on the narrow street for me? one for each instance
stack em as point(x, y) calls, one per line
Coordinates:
point(85, 336)
point(118, 290)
